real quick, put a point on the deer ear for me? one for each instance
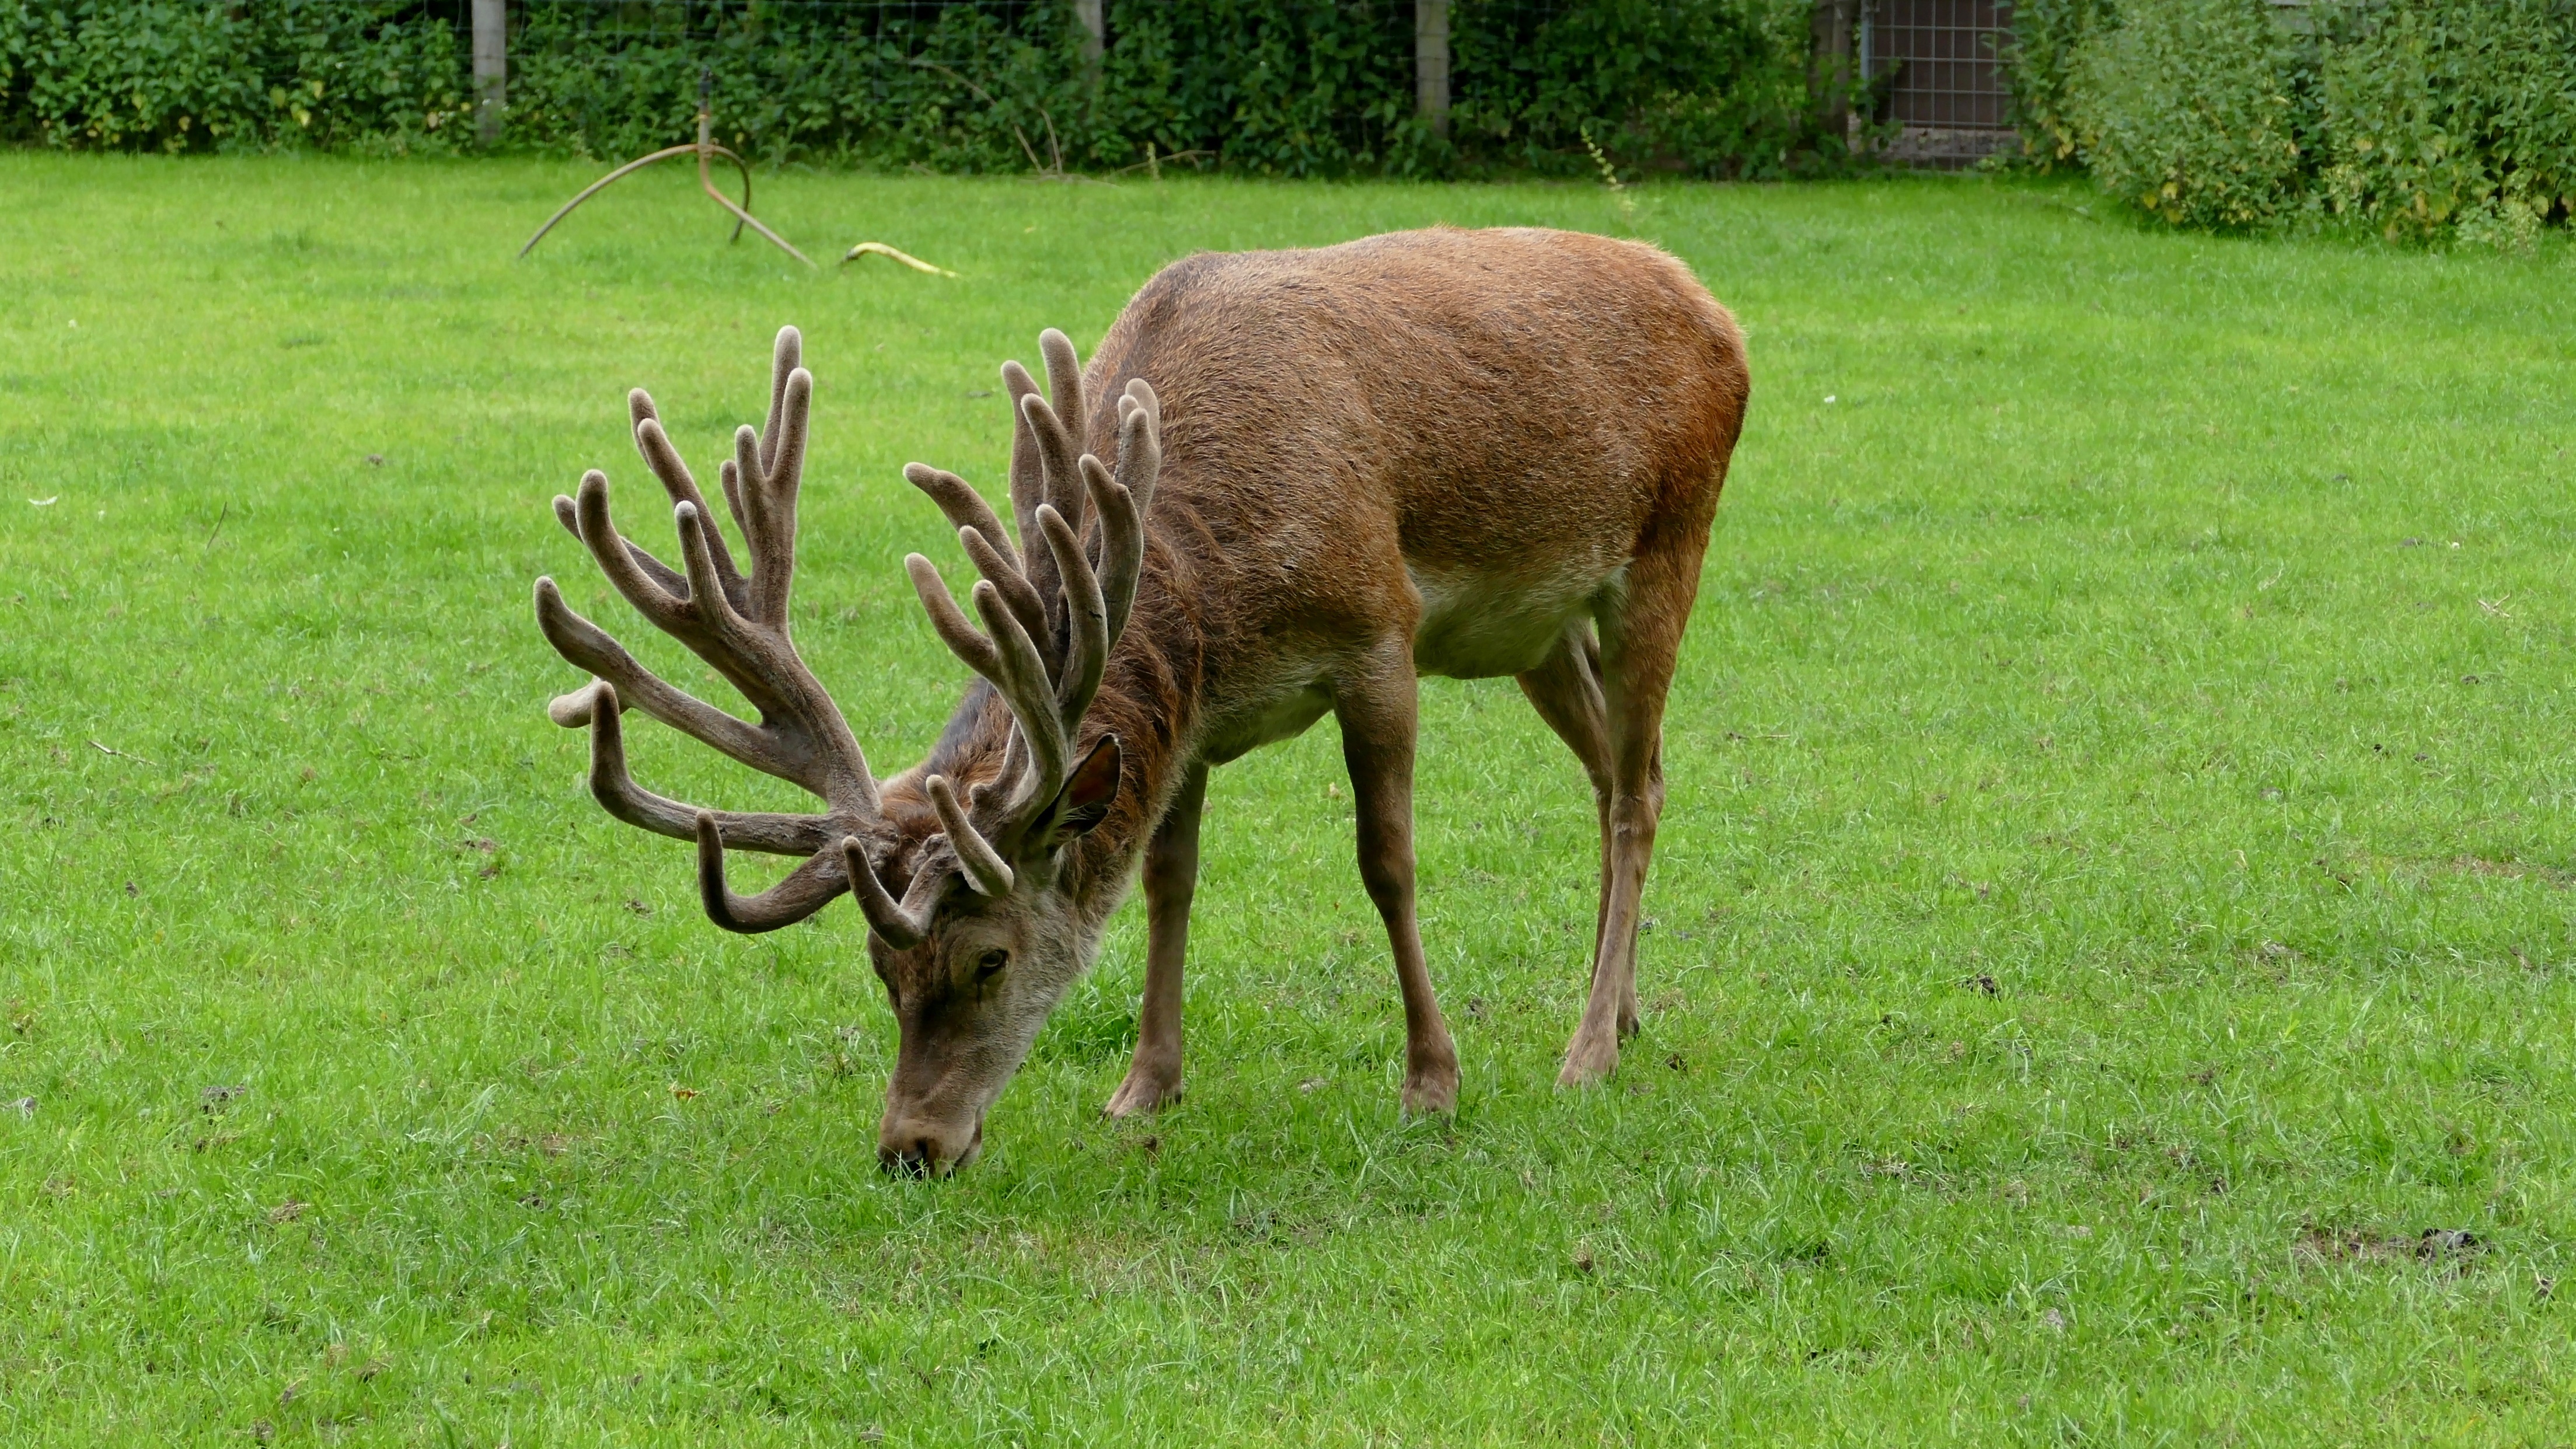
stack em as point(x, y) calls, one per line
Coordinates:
point(1084, 801)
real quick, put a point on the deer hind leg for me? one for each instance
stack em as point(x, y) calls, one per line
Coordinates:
point(1641, 635)
point(1171, 879)
point(1376, 706)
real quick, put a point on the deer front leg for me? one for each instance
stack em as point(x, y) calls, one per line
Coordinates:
point(1376, 709)
point(1171, 879)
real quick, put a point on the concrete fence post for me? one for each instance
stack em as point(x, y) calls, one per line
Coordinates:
point(1431, 63)
point(491, 69)
point(1095, 39)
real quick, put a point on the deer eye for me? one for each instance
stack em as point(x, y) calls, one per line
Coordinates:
point(990, 964)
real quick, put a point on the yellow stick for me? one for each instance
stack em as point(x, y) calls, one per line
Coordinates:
point(880, 249)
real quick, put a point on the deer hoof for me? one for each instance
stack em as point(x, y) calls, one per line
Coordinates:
point(1431, 1091)
point(1145, 1090)
point(1590, 1060)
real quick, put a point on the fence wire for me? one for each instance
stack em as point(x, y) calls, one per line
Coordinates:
point(1283, 87)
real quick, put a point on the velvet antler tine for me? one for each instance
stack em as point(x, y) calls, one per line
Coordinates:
point(1056, 459)
point(786, 357)
point(890, 921)
point(1122, 544)
point(707, 597)
point(1087, 650)
point(771, 502)
point(806, 889)
point(673, 473)
point(657, 591)
point(1064, 384)
point(773, 560)
point(591, 649)
point(1140, 443)
point(1028, 475)
point(1016, 592)
point(784, 461)
point(949, 622)
point(622, 798)
point(572, 711)
point(1023, 683)
point(984, 869)
point(963, 507)
point(1143, 392)
point(568, 513)
point(729, 473)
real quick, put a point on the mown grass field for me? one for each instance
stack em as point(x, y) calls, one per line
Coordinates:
point(2114, 903)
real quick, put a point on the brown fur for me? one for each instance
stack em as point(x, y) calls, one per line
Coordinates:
point(1468, 453)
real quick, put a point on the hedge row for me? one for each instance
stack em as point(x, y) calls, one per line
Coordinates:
point(2417, 117)
point(1288, 87)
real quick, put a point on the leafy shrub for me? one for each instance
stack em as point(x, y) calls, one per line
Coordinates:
point(2187, 108)
point(2423, 118)
point(1280, 87)
point(170, 74)
point(2451, 112)
point(1285, 87)
point(938, 85)
point(2040, 57)
point(1716, 89)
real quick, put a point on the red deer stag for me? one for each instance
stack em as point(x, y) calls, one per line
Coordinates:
point(1327, 472)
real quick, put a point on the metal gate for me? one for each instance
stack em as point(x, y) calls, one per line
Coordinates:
point(1943, 79)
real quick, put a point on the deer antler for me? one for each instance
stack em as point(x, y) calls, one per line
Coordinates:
point(737, 623)
point(1050, 617)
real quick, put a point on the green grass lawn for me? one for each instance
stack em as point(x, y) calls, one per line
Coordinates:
point(2115, 899)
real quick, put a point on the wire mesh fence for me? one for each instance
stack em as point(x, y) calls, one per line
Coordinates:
point(1284, 87)
point(1290, 87)
point(1940, 78)
point(1938, 66)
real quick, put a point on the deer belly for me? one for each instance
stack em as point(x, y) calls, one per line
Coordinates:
point(1285, 718)
point(1481, 627)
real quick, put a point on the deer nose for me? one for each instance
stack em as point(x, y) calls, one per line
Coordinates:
point(910, 1146)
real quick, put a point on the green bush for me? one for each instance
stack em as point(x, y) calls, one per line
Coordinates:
point(1278, 87)
point(1284, 87)
point(2422, 118)
point(2040, 57)
point(172, 75)
point(1714, 89)
point(936, 85)
point(2441, 113)
point(2188, 109)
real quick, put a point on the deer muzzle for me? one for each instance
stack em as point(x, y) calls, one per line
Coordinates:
point(912, 1145)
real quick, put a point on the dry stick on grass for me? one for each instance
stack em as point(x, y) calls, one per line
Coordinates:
point(880, 249)
point(1155, 163)
point(120, 754)
point(705, 149)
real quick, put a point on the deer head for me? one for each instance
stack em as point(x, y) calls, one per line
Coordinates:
point(971, 924)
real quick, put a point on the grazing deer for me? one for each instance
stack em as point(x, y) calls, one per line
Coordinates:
point(1468, 453)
